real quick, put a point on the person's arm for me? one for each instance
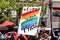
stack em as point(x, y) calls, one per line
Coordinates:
point(24, 37)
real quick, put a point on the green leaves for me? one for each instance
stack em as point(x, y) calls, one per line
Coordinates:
point(16, 4)
point(4, 4)
point(19, 5)
point(17, 0)
point(33, 4)
point(7, 4)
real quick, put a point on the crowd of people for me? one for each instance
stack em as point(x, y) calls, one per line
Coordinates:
point(9, 36)
point(43, 36)
point(56, 37)
point(14, 36)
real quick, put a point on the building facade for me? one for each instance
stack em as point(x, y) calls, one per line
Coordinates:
point(55, 20)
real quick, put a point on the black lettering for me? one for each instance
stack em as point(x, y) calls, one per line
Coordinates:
point(30, 17)
point(30, 9)
point(30, 28)
point(24, 29)
point(24, 9)
point(33, 8)
point(27, 9)
point(34, 15)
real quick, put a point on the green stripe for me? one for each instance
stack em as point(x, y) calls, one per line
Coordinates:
point(31, 19)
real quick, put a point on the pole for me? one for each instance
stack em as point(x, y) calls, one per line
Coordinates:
point(50, 5)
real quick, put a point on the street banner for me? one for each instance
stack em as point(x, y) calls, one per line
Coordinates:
point(29, 20)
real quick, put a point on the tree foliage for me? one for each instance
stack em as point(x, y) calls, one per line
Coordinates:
point(12, 4)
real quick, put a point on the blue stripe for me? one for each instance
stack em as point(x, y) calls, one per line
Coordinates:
point(28, 24)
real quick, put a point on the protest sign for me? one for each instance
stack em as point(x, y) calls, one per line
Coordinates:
point(29, 20)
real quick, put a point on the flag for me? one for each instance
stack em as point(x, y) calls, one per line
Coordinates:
point(55, 12)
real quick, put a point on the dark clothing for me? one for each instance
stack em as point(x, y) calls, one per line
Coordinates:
point(54, 38)
point(21, 38)
point(12, 37)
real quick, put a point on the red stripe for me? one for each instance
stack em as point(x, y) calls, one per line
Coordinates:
point(58, 12)
point(29, 12)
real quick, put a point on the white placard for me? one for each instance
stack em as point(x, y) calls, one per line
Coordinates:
point(29, 20)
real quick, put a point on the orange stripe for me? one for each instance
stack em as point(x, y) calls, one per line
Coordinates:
point(53, 10)
point(28, 12)
point(27, 16)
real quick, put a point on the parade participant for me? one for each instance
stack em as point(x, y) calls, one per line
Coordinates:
point(22, 37)
point(58, 36)
point(2, 37)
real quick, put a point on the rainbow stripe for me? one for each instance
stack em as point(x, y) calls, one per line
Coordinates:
point(29, 22)
point(55, 12)
point(29, 18)
point(29, 13)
